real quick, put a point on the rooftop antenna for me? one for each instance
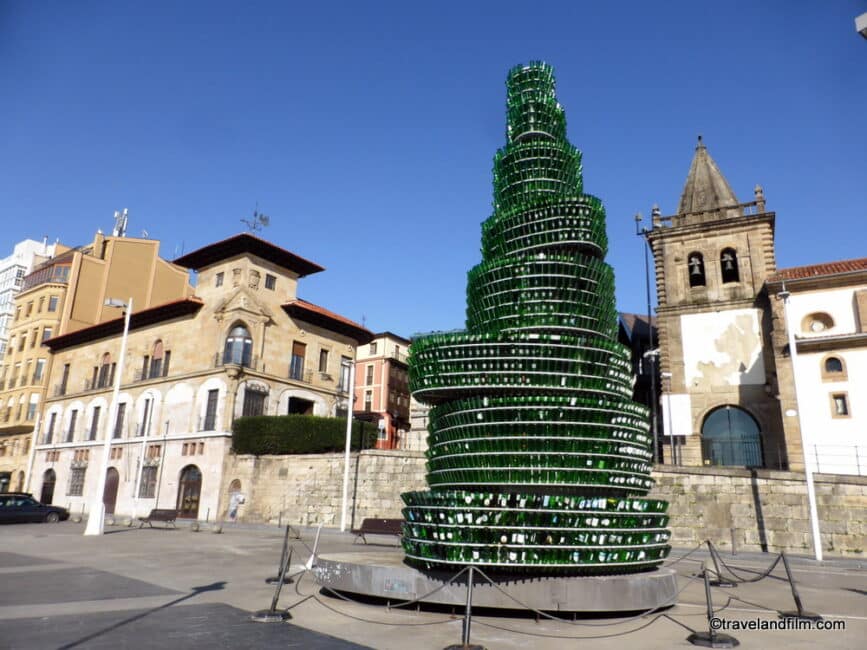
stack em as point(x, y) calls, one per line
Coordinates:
point(257, 221)
point(120, 219)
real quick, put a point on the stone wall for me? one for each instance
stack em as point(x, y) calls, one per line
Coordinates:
point(307, 489)
point(763, 510)
point(767, 510)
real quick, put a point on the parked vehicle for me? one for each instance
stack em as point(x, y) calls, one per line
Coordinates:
point(21, 507)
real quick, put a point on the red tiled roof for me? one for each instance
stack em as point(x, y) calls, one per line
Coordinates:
point(818, 270)
point(322, 317)
point(182, 307)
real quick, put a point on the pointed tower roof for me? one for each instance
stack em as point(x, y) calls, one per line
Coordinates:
point(706, 189)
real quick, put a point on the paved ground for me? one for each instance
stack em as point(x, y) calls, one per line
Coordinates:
point(176, 588)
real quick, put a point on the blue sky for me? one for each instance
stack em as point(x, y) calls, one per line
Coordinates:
point(367, 130)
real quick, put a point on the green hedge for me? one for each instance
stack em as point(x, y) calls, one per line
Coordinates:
point(297, 434)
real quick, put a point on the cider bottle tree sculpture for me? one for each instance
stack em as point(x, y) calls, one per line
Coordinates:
point(538, 458)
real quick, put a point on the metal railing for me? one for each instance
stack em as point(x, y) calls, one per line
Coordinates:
point(838, 459)
point(739, 451)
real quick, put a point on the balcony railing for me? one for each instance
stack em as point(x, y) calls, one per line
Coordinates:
point(253, 363)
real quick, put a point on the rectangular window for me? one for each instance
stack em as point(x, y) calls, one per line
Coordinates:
point(40, 369)
point(29, 309)
point(373, 348)
point(144, 425)
point(31, 410)
point(254, 402)
point(63, 380)
point(94, 423)
point(211, 410)
point(52, 303)
point(296, 366)
point(148, 484)
point(840, 405)
point(368, 400)
point(76, 482)
point(167, 356)
point(46, 333)
point(34, 337)
point(145, 366)
point(118, 423)
point(22, 341)
point(345, 369)
point(323, 360)
point(41, 304)
point(368, 381)
point(270, 281)
point(218, 279)
point(49, 434)
point(70, 432)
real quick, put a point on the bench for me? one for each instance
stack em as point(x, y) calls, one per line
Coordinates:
point(158, 514)
point(377, 527)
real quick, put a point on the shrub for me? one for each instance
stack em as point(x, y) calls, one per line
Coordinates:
point(297, 434)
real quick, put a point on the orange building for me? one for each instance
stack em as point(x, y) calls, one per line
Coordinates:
point(382, 387)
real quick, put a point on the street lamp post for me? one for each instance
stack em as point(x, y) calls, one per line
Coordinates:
point(808, 465)
point(96, 516)
point(350, 400)
point(651, 353)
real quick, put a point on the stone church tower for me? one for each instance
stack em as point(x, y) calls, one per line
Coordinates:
point(718, 382)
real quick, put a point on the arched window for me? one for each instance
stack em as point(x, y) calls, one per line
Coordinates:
point(106, 371)
point(833, 368)
point(731, 436)
point(695, 261)
point(728, 262)
point(817, 322)
point(239, 346)
point(159, 361)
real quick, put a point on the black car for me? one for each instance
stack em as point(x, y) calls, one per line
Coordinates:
point(20, 507)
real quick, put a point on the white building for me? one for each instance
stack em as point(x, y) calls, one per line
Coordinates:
point(828, 312)
point(13, 268)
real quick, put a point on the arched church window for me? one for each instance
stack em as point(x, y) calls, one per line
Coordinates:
point(695, 261)
point(731, 436)
point(728, 261)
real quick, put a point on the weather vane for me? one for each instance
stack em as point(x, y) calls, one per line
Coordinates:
point(257, 221)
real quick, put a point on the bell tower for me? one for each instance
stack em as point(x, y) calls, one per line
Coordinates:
point(718, 385)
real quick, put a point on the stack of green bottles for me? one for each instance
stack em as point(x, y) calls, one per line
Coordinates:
point(538, 457)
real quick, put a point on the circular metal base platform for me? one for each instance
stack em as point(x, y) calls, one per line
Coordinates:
point(267, 616)
point(384, 575)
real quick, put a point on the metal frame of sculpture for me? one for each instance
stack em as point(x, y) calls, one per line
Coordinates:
point(538, 458)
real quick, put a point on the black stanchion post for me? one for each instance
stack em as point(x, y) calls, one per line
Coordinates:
point(272, 615)
point(711, 638)
point(274, 579)
point(468, 617)
point(799, 613)
point(718, 582)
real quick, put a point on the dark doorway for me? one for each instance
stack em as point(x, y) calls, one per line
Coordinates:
point(109, 495)
point(189, 488)
point(49, 478)
point(298, 406)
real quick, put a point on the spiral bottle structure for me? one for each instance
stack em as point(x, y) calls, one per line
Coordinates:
point(538, 458)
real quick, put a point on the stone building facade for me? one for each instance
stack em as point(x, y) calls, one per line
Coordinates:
point(718, 380)
point(244, 344)
point(728, 392)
